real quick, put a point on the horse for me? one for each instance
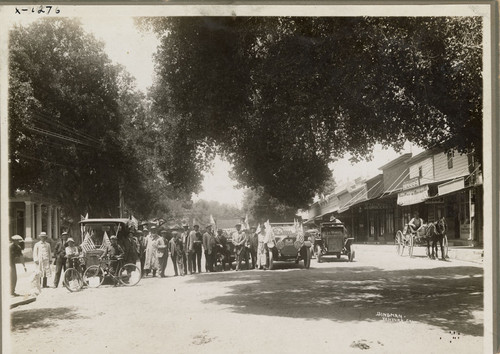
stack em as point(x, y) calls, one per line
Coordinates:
point(435, 233)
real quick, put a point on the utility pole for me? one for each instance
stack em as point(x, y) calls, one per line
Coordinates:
point(120, 196)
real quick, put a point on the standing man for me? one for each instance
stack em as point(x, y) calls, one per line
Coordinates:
point(254, 244)
point(189, 249)
point(197, 240)
point(141, 249)
point(152, 252)
point(60, 257)
point(221, 247)
point(209, 246)
point(173, 251)
point(41, 257)
point(129, 246)
point(184, 239)
point(239, 239)
point(163, 252)
point(15, 252)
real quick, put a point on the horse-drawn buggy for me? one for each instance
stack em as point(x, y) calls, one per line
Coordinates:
point(333, 240)
point(429, 235)
point(90, 265)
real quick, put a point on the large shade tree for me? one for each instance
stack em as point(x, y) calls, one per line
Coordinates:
point(280, 98)
point(71, 112)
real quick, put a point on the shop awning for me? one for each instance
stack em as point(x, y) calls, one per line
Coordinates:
point(451, 186)
point(413, 196)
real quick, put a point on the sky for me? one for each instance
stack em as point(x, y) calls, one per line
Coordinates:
point(127, 45)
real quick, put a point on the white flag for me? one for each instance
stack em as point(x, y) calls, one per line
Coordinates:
point(212, 222)
point(247, 225)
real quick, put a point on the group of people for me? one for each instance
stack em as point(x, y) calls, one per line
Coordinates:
point(152, 249)
point(42, 257)
point(186, 248)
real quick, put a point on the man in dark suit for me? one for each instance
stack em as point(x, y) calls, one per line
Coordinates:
point(209, 246)
point(60, 257)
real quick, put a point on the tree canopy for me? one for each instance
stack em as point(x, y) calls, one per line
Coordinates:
point(72, 113)
point(280, 97)
point(260, 206)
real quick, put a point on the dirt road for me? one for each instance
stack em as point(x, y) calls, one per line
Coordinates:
point(381, 303)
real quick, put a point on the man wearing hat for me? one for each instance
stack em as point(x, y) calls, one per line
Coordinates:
point(172, 244)
point(60, 259)
point(239, 239)
point(209, 246)
point(41, 257)
point(196, 241)
point(15, 252)
point(163, 252)
point(141, 249)
point(72, 253)
point(177, 252)
point(253, 245)
point(221, 247)
point(153, 241)
point(115, 252)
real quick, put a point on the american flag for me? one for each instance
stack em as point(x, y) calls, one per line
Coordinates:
point(300, 232)
point(88, 244)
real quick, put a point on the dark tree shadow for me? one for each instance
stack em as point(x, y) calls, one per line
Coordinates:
point(22, 320)
point(443, 297)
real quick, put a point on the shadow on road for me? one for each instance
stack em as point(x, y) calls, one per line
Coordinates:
point(443, 297)
point(41, 318)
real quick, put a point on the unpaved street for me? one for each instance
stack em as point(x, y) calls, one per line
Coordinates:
point(381, 303)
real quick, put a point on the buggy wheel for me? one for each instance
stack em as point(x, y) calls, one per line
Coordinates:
point(129, 274)
point(445, 247)
point(398, 241)
point(72, 280)
point(93, 276)
point(411, 246)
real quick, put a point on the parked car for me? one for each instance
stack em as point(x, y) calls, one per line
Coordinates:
point(288, 245)
point(334, 241)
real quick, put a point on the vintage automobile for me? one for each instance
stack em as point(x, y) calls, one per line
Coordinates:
point(334, 241)
point(95, 235)
point(288, 245)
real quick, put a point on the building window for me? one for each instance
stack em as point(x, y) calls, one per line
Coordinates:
point(449, 156)
point(420, 174)
point(390, 221)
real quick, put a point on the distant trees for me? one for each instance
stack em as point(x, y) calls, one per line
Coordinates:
point(280, 97)
point(199, 212)
point(260, 207)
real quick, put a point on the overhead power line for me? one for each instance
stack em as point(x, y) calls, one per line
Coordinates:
point(64, 128)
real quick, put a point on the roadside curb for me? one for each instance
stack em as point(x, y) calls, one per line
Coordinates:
point(23, 300)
